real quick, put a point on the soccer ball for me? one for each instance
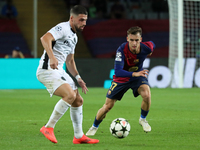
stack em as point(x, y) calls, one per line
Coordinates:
point(120, 128)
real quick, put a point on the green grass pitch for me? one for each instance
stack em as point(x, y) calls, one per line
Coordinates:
point(174, 118)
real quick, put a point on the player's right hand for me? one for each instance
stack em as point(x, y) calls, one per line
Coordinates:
point(54, 63)
point(83, 85)
point(143, 73)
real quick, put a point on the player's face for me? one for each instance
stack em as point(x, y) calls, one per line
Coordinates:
point(134, 42)
point(79, 22)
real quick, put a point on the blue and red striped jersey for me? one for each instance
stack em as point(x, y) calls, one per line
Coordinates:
point(126, 62)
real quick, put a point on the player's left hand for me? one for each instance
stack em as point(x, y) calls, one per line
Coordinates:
point(143, 73)
point(83, 85)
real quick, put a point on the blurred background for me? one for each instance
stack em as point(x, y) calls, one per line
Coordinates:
point(105, 31)
point(22, 23)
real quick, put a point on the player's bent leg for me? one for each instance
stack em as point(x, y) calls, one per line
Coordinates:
point(78, 101)
point(76, 117)
point(76, 114)
point(145, 93)
point(101, 114)
point(85, 140)
point(68, 96)
point(66, 92)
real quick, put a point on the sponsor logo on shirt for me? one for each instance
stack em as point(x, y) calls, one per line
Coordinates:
point(58, 28)
point(136, 60)
point(118, 56)
point(132, 69)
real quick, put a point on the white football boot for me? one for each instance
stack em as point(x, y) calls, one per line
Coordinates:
point(92, 131)
point(145, 125)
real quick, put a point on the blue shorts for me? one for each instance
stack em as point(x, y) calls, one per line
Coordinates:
point(117, 90)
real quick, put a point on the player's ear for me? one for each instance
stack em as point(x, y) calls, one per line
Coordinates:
point(127, 38)
point(141, 39)
point(71, 17)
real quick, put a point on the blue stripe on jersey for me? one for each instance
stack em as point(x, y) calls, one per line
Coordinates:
point(126, 62)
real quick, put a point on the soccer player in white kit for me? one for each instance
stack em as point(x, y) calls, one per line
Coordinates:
point(59, 45)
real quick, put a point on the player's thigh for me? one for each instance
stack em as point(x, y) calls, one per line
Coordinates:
point(137, 86)
point(58, 83)
point(65, 91)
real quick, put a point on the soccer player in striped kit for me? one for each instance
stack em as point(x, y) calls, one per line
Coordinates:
point(129, 74)
point(59, 47)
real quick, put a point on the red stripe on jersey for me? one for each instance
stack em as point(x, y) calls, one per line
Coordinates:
point(149, 44)
point(120, 79)
point(133, 62)
point(130, 58)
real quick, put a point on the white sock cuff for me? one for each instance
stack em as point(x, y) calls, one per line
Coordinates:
point(66, 103)
point(76, 108)
point(62, 106)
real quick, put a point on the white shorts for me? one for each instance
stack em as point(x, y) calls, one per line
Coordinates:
point(52, 79)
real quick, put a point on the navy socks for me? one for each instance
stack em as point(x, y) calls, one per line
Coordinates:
point(96, 122)
point(144, 113)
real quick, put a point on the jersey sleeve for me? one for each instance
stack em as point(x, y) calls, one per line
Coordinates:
point(154, 46)
point(57, 31)
point(119, 64)
point(151, 45)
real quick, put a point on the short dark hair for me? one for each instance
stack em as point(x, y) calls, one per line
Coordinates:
point(134, 30)
point(78, 9)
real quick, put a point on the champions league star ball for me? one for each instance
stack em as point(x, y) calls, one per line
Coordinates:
point(120, 128)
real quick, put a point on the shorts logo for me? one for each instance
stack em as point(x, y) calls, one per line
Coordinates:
point(109, 92)
point(58, 28)
point(63, 78)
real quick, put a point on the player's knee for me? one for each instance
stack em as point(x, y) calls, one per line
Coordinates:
point(70, 97)
point(78, 101)
point(107, 108)
point(147, 98)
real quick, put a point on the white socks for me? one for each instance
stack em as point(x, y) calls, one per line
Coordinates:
point(75, 113)
point(77, 119)
point(59, 110)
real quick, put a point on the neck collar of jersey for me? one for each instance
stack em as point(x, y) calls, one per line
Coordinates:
point(131, 51)
point(73, 31)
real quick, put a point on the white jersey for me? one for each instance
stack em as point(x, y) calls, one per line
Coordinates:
point(65, 43)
